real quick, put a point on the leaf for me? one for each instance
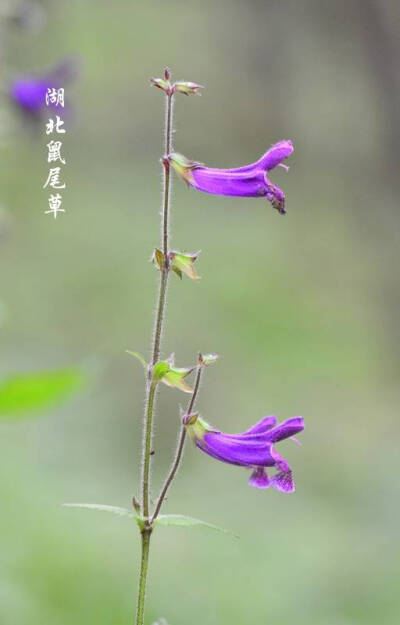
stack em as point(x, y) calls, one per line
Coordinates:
point(180, 520)
point(105, 508)
point(26, 392)
point(102, 508)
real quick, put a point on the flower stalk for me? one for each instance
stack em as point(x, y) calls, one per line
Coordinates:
point(166, 262)
point(151, 384)
point(179, 449)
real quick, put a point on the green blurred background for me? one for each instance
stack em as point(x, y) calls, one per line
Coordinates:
point(303, 311)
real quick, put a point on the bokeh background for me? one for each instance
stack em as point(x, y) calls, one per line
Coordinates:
point(303, 311)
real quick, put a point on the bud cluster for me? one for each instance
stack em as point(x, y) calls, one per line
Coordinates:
point(181, 86)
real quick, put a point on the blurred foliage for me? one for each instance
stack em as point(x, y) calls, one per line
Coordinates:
point(303, 310)
point(24, 393)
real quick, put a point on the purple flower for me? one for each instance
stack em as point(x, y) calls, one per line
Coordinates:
point(253, 448)
point(29, 93)
point(248, 181)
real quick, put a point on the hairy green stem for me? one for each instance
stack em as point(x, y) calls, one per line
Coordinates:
point(147, 448)
point(146, 533)
point(151, 385)
point(179, 450)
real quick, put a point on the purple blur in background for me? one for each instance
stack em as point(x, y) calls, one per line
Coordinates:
point(28, 93)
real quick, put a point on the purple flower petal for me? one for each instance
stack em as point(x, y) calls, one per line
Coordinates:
point(221, 182)
point(283, 482)
point(288, 428)
point(276, 154)
point(259, 478)
point(240, 451)
point(272, 157)
point(266, 423)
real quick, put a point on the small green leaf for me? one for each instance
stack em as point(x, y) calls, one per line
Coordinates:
point(139, 357)
point(160, 369)
point(180, 520)
point(27, 392)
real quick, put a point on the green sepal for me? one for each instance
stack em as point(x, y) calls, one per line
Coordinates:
point(160, 370)
point(207, 359)
point(196, 427)
point(183, 166)
point(162, 84)
point(175, 378)
point(187, 87)
point(183, 262)
point(178, 272)
point(157, 258)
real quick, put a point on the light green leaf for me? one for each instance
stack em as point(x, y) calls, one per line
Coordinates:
point(103, 508)
point(180, 520)
point(27, 392)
